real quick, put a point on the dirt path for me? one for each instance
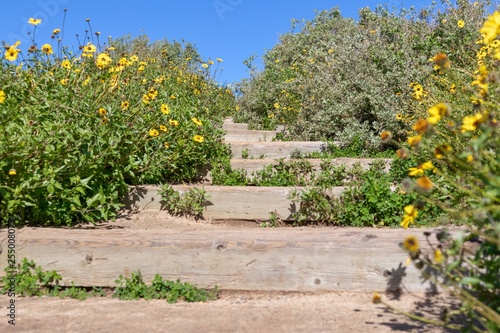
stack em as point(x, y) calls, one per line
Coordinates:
point(233, 312)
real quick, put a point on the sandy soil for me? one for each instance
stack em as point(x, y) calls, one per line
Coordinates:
point(233, 312)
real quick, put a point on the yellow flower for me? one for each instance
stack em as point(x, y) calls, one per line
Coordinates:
point(173, 122)
point(166, 145)
point(34, 21)
point(66, 64)
point(125, 105)
point(64, 81)
point(163, 128)
point(219, 60)
point(441, 60)
point(402, 153)
point(471, 123)
point(198, 138)
point(418, 91)
point(376, 298)
point(3, 96)
point(411, 244)
point(460, 23)
point(386, 136)
point(11, 53)
point(197, 121)
point(145, 99)
point(47, 49)
point(411, 214)
point(414, 140)
point(491, 27)
point(103, 60)
point(427, 165)
point(399, 116)
point(421, 126)
point(424, 184)
point(204, 66)
point(469, 158)
point(173, 96)
point(12, 172)
point(440, 151)
point(56, 31)
point(165, 109)
point(438, 256)
point(154, 133)
point(453, 88)
point(152, 94)
point(102, 111)
point(89, 48)
point(418, 171)
point(437, 112)
point(104, 120)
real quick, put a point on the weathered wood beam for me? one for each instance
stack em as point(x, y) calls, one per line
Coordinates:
point(288, 259)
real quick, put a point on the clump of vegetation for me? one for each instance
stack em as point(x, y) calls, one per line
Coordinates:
point(79, 127)
point(31, 280)
point(134, 288)
point(336, 79)
point(454, 144)
point(189, 203)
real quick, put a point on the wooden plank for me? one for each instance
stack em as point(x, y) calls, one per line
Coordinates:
point(275, 149)
point(249, 135)
point(253, 165)
point(229, 125)
point(288, 259)
point(227, 202)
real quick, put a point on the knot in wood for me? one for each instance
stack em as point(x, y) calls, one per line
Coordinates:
point(89, 259)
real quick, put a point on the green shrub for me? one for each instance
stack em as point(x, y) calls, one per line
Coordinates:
point(78, 128)
point(134, 288)
point(335, 79)
point(454, 144)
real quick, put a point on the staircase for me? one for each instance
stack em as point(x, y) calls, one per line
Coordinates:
point(251, 150)
point(233, 258)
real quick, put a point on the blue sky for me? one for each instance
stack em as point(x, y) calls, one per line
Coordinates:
point(229, 29)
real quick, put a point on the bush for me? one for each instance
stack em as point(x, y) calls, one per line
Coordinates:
point(78, 128)
point(339, 80)
point(459, 142)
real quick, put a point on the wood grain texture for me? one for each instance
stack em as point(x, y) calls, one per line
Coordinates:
point(227, 202)
point(275, 149)
point(254, 165)
point(230, 125)
point(235, 135)
point(289, 259)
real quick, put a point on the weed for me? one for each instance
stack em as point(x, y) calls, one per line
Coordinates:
point(134, 288)
point(189, 203)
point(32, 280)
point(244, 154)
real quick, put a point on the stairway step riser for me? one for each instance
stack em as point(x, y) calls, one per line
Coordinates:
point(227, 202)
point(276, 149)
point(249, 136)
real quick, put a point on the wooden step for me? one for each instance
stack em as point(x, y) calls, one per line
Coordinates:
point(227, 202)
point(229, 125)
point(249, 135)
point(255, 165)
point(275, 149)
point(259, 259)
